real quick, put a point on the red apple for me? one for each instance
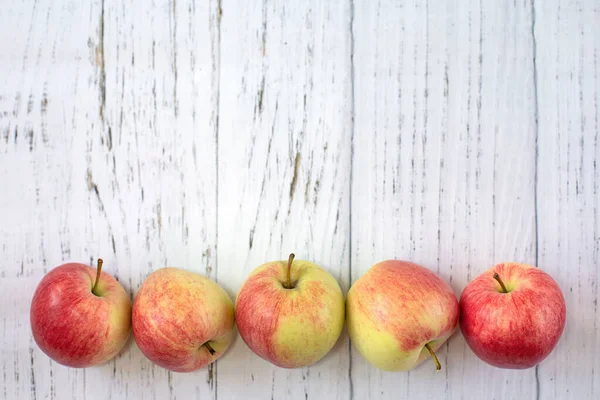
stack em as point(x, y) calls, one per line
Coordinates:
point(182, 321)
point(290, 313)
point(399, 313)
point(512, 315)
point(80, 316)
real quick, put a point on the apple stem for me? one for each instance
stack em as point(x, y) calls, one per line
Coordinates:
point(210, 349)
point(438, 366)
point(98, 272)
point(289, 271)
point(497, 277)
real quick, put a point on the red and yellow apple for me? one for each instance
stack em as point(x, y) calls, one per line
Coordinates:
point(182, 321)
point(80, 316)
point(512, 315)
point(290, 313)
point(399, 313)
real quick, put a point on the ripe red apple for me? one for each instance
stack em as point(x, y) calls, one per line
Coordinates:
point(399, 313)
point(78, 320)
point(512, 315)
point(290, 313)
point(182, 321)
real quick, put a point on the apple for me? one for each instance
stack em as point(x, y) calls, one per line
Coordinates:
point(399, 313)
point(182, 321)
point(512, 315)
point(80, 316)
point(290, 314)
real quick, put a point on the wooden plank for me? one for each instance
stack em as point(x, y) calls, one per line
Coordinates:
point(161, 65)
point(49, 102)
point(568, 87)
point(444, 164)
point(116, 158)
point(284, 168)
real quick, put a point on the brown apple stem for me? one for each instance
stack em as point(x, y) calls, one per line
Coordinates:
point(438, 366)
point(210, 349)
point(98, 272)
point(497, 277)
point(289, 271)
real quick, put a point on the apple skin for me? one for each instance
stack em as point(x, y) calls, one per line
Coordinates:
point(395, 309)
point(290, 328)
point(515, 330)
point(175, 313)
point(73, 326)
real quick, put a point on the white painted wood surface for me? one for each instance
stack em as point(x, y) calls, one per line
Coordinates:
point(221, 134)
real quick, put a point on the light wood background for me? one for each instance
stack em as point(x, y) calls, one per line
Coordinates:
point(217, 135)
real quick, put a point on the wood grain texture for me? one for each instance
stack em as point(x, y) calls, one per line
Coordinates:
point(159, 119)
point(106, 152)
point(47, 211)
point(568, 197)
point(219, 135)
point(284, 168)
